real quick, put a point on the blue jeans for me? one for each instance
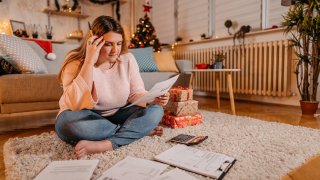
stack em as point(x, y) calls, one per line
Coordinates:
point(122, 128)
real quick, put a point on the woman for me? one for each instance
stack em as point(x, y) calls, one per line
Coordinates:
point(99, 78)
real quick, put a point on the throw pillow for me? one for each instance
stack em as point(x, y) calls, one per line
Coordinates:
point(23, 57)
point(145, 59)
point(6, 67)
point(165, 62)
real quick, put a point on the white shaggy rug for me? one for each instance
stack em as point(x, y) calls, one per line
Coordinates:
point(264, 150)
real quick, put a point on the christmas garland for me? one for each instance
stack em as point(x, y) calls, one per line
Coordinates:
point(103, 1)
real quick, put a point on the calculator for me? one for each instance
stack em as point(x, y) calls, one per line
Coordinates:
point(188, 139)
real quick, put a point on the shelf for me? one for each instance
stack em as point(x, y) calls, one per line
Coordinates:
point(64, 13)
point(53, 41)
point(75, 37)
point(122, 2)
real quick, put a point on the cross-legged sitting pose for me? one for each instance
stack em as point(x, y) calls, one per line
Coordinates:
point(99, 78)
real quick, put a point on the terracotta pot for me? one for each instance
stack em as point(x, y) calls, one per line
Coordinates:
point(309, 107)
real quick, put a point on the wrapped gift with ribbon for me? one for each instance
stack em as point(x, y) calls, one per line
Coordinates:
point(186, 108)
point(179, 94)
point(181, 121)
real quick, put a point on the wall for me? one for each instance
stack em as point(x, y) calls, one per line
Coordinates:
point(253, 37)
point(30, 12)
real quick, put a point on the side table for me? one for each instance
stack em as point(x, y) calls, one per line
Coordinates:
point(217, 83)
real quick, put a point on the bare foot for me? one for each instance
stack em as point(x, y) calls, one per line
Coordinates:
point(157, 131)
point(85, 147)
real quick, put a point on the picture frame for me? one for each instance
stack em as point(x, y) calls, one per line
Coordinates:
point(17, 25)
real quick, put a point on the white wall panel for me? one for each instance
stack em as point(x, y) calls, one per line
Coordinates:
point(139, 13)
point(163, 20)
point(240, 12)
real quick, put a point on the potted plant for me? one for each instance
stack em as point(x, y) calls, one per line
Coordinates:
point(34, 31)
point(303, 22)
point(218, 61)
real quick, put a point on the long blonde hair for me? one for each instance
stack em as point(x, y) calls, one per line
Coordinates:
point(100, 26)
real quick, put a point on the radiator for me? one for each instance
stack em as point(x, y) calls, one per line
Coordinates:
point(265, 68)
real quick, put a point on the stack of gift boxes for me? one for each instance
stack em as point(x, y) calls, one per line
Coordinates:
point(181, 110)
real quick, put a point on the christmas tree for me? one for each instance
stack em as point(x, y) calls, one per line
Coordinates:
point(145, 35)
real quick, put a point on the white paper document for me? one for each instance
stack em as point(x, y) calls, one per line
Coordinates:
point(175, 174)
point(134, 169)
point(199, 161)
point(68, 170)
point(157, 90)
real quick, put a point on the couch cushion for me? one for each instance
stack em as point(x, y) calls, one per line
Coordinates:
point(24, 120)
point(60, 50)
point(23, 57)
point(27, 107)
point(19, 88)
point(165, 62)
point(145, 59)
point(6, 67)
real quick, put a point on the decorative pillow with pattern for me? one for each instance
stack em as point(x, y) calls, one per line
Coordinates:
point(6, 67)
point(165, 61)
point(23, 57)
point(145, 59)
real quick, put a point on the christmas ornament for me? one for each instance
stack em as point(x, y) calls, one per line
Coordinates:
point(21, 33)
point(146, 7)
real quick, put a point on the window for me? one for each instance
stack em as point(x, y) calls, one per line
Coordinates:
point(189, 18)
point(272, 13)
point(193, 19)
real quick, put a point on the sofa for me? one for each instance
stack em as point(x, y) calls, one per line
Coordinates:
point(31, 100)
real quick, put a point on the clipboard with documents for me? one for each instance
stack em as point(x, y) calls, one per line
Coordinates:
point(202, 162)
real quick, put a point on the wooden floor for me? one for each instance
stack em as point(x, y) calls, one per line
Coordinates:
point(284, 114)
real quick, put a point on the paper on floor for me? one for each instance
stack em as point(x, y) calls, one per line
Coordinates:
point(175, 174)
point(134, 169)
point(68, 170)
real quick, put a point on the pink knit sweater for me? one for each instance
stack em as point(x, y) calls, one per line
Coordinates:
point(112, 88)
